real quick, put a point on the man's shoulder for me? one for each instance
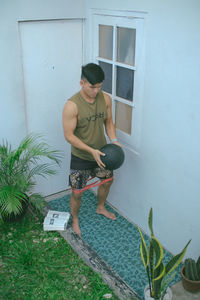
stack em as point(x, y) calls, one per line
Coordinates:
point(75, 97)
point(105, 95)
point(106, 98)
point(70, 107)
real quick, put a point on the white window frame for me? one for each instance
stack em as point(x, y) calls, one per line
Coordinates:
point(126, 20)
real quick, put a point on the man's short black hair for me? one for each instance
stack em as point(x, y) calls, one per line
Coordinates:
point(93, 73)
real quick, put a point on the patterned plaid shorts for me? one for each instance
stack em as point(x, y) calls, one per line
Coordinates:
point(78, 178)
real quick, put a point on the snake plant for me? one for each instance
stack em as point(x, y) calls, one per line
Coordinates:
point(159, 275)
point(18, 169)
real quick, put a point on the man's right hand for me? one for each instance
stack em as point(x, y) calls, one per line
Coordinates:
point(96, 154)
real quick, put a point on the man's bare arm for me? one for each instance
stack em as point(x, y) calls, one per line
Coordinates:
point(70, 115)
point(109, 125)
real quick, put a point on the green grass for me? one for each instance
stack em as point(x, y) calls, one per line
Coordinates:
point(41, 265)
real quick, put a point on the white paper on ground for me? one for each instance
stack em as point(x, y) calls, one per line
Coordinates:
point(56, 220)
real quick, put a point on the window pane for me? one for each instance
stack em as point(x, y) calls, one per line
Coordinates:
point(124, 83)
point(126, 45)
point(123, 116)
point(105, 41)
point(107, 84)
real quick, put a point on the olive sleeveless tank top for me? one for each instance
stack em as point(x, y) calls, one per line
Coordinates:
point(90, 124)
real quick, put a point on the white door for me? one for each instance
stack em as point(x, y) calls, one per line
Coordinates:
point(52, 59)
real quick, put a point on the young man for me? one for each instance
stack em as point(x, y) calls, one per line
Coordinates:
point(84, 117)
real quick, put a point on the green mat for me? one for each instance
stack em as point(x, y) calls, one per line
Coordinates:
point(117, 242)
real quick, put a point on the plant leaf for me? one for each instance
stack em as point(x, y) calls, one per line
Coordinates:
point(158, 250)
point(150, 221)
point(166, 282)
point(143, 250)
point(37, 200)
point(10, 200)
point(176, 260)
point(18, 168)
point(157, 280)
point(159, 272)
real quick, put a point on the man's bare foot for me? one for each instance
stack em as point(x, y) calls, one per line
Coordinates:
point(105, 213)
point(76, 228)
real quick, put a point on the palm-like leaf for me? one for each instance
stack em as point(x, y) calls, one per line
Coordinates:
point(37, 200)
point(18, 169)
point(41, 170)
point(14, 205)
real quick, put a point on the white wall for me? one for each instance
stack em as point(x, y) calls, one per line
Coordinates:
point(166, 174)
point(12, 120)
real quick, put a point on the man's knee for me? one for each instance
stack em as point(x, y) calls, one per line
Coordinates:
point(107, 184)
point(77, 195)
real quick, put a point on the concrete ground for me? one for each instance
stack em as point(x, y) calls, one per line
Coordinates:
point(179, 293)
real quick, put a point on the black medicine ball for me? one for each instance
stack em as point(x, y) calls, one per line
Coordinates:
point(114, 156)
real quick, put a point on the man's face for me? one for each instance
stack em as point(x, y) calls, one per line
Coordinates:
point(90, 90)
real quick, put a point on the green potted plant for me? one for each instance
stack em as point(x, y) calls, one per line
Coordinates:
point(190, 273)
point(18, 169)
point(159, 275)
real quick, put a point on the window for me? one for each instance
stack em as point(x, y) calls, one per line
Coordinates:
point(118, 49)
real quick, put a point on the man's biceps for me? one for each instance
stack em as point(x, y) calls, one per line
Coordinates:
point(70, 126)
point(69, 117)
point(68, 132)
